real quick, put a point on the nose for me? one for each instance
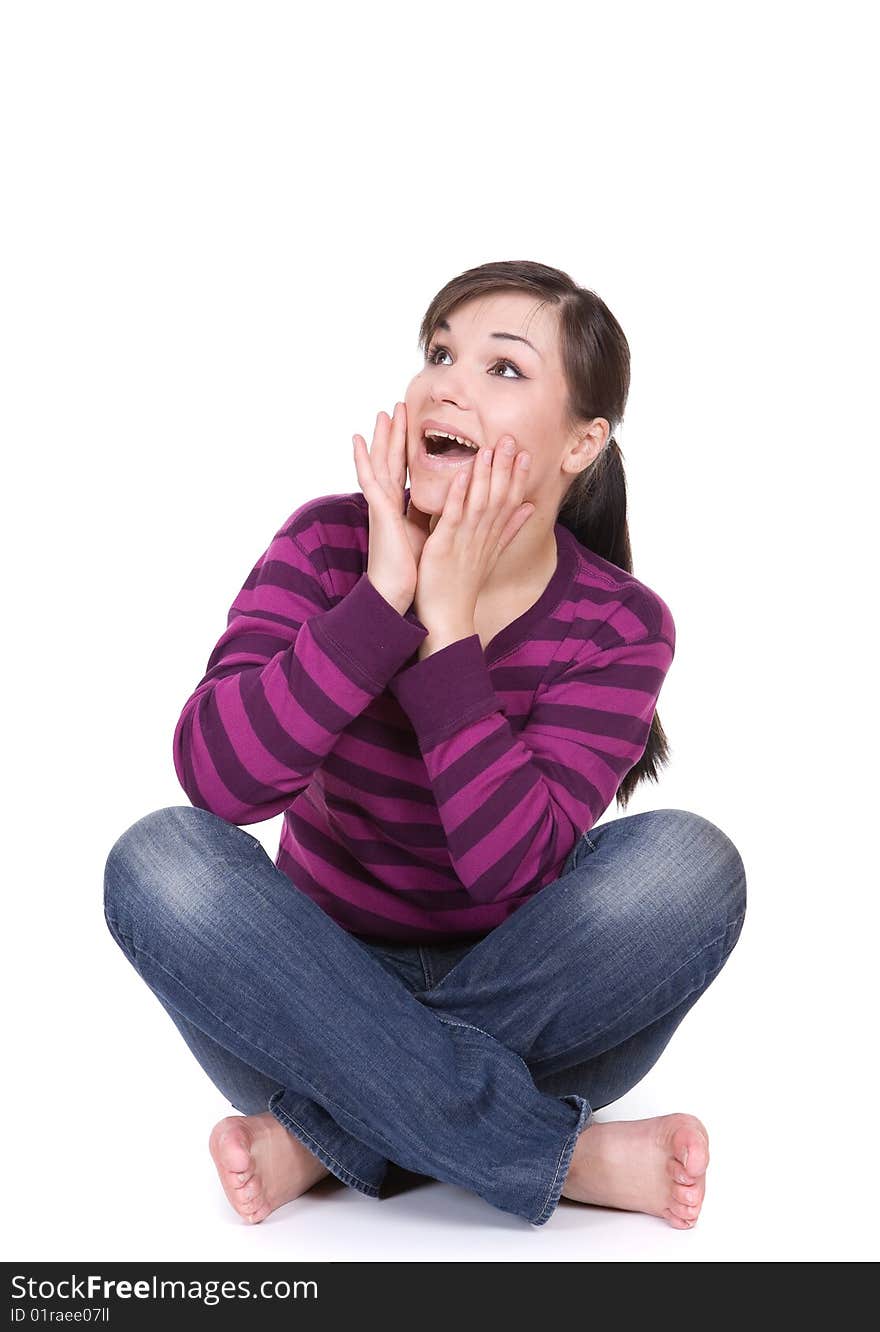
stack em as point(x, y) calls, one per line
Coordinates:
point(447, 388)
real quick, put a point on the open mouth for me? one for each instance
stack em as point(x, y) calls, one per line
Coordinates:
point(440, 446)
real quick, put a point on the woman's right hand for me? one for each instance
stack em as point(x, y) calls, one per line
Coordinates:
point(396, 539)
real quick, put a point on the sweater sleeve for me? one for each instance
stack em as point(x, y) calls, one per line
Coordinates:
point(293, 668)
point(513, 805)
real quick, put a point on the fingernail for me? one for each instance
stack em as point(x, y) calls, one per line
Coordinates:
point(524, 461)
point(487, 456)
point(509, 447)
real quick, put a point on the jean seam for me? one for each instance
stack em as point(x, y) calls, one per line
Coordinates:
point(426, 967)
point(343, 1173)
point(456, 1022)
point(711, 944)
point(248, 1040)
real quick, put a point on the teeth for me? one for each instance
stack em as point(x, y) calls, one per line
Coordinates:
point(444, 434)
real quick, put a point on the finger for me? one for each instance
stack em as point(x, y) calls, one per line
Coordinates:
point(508, 482)
point(397, 459)
point(480, 481)
point(517, 521)
point(361, 457)
point(393, 447)
point(519, 477)
point(501, 474)
point(502, 464)
point(363, 464)
point(379, 451)
point(453, 504)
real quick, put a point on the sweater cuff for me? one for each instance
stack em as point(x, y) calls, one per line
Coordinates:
point(366, 630)
point(446, 691)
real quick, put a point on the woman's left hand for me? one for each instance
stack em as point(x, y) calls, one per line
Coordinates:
point(482, 513)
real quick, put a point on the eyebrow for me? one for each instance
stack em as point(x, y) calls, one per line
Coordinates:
point(512, 337)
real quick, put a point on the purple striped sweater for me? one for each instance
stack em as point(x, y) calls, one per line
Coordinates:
point(423, 801)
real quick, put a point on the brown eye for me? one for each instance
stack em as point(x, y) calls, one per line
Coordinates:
point(433, 352)
point(512, 366)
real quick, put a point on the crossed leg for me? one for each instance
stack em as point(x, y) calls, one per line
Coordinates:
point(585, 983)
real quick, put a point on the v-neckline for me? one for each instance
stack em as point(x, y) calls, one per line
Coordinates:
point(520, 629)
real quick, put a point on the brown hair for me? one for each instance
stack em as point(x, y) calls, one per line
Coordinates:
point(596, 362)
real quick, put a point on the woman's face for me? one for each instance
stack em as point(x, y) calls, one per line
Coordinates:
point(482, 385)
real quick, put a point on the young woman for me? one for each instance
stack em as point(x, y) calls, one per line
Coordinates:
point(442, 687)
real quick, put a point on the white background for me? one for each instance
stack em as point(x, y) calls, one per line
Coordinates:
point(222, 225)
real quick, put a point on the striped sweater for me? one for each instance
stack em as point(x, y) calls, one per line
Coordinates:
point(423, 801)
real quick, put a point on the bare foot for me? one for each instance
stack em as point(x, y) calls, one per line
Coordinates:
point(261, 1166)
point(642, 1165)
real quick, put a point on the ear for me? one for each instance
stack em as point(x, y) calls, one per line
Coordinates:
point(580, 455)
point(592, 442)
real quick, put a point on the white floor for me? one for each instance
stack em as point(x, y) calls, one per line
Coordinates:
point(166, 413)
point(111, 1157)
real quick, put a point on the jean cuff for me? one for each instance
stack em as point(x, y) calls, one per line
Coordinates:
point(352, 1161)
point(585, 1115)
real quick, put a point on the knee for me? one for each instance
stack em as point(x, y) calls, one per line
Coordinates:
point(146, 859)
point(706, 867)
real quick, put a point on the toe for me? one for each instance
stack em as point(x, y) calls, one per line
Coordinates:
point(677, 1172)
point(690, 1146)
point(685, 1211)
point(230, 1146)
point(249, 1206)
point(691, 1195)
point(676, 1221)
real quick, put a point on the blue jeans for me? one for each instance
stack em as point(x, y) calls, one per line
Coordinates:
point(476, 1062)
